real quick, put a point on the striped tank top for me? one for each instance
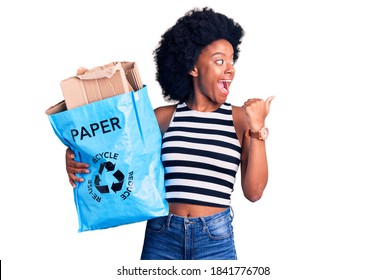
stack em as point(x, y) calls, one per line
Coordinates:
point(201, 155)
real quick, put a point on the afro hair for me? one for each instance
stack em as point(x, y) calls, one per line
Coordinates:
point(181, 45)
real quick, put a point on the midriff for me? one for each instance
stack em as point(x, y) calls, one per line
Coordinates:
point(193, 211)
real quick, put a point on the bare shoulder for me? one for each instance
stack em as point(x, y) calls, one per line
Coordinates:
point(163, 115)
point(240, 122)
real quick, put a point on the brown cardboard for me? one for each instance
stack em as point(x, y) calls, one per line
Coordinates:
point(96, 84)
point(132, 74)
point(57, 108)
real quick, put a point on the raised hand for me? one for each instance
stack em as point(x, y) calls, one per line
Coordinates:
point(256, 111)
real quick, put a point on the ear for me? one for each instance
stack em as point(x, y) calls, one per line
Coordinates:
point(194, 72)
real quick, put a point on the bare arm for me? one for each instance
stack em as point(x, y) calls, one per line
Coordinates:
point(254, 166)
point(163, 115)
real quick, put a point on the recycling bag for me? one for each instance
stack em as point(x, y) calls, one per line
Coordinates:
point(120, 139)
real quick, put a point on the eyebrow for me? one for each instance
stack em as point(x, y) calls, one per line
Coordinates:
point(220, 53)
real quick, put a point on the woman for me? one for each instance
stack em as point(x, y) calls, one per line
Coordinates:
point(205, 139)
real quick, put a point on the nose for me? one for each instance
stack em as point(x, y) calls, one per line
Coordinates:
point(230, 70)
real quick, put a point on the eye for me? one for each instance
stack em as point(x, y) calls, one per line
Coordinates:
point(220, 62)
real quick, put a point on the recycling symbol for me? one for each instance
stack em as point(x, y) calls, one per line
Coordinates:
point(107, 168)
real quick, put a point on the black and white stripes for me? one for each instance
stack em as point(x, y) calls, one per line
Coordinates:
point(201, 155)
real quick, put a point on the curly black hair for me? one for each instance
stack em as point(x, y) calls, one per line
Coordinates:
point(181, 45)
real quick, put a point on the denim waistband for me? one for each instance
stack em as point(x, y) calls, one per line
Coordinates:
point(198, 221)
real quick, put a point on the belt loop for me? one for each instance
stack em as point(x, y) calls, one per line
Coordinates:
point(204, 225)
point(231, 212)
point(169, 220)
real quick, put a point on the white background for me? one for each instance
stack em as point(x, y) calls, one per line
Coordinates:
point(322, 214)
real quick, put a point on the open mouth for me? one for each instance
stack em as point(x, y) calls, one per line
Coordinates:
point(224, 86)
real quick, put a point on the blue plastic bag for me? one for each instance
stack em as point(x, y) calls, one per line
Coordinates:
point(120, 138)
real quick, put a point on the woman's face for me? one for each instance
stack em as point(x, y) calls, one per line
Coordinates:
point(214, 71)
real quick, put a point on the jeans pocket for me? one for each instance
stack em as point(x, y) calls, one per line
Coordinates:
point(157, 224)
point(220, 229)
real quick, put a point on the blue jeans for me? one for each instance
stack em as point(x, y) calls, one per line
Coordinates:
point(178, 238)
